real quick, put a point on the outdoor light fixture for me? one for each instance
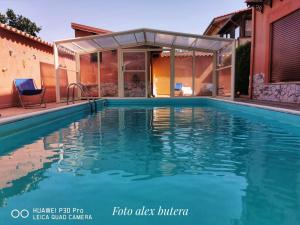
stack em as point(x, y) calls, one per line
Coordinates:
point(259, 4)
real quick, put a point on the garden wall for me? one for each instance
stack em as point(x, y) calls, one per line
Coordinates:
point(24, 56)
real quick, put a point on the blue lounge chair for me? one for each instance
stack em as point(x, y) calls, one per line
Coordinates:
point(178, 87)
point(27, 87)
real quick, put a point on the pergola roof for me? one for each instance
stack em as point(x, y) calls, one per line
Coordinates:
point(140, 37)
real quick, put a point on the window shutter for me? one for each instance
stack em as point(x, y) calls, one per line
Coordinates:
point(285, 64)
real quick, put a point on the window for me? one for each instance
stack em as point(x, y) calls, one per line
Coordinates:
point(94, 57)
point(237, 33)
point(285, 60)
point(248, 28)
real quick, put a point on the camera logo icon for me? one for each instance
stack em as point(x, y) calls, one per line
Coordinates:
point(15, 213)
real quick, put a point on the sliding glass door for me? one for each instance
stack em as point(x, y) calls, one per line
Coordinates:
point(134, 70)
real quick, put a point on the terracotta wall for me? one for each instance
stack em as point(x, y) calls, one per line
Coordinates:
point(82, 33)
point(22, 57)
point(109, 74)
point(261, 88)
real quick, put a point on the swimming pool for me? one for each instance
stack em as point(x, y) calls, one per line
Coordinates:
point(219, 163)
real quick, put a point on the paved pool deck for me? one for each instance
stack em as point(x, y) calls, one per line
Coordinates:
point(17, 111)
point(282, 105)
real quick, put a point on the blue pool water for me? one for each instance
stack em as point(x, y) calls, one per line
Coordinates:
point(225, 164)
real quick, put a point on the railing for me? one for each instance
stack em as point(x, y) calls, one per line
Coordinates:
point(84, 93)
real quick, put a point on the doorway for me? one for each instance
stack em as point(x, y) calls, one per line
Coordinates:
point(134, 73)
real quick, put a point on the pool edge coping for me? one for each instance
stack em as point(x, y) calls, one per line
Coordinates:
point(12, 119)
point(271, 108)
point(16, 118)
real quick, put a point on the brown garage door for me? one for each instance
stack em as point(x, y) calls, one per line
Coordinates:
point(285, 64)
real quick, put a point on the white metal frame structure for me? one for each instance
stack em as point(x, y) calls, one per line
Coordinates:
point(144, 37)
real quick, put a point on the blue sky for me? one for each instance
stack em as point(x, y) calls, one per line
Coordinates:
point(55, 16)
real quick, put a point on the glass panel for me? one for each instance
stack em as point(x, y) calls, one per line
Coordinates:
point(160, 64)
point(134, 84)
point(88, 45)
point(126, 39)
point(134, 60)
point(140, 37)
point(205, 44)
point(237, 33)
point(210, 44)
point(89, 73)
point(224, 72)
point(106, 42)
point(224, 82)
point(71, 47)
point(184, 41)
point(109, 74)
point(164, 38)
point(183, 73)
point(224, 57)
point(203, 74)
point(150, 36)
point(248, 28)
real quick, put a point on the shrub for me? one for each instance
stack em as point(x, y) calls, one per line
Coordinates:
point(242, 69)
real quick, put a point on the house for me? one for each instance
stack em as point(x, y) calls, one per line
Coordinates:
point(84, 30)
point(275, 60)
point(236, 25)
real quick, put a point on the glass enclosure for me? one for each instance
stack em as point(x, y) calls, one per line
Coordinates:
point(138, 63)
point(109, 74)
point(183, 73)
point(89, 73)
point(203, 74)
point(224, 62)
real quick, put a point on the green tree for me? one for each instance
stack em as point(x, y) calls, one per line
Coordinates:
point(20, 22)
point(3, 18)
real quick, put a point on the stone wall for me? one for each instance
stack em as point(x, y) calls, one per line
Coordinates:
point(280, 92)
